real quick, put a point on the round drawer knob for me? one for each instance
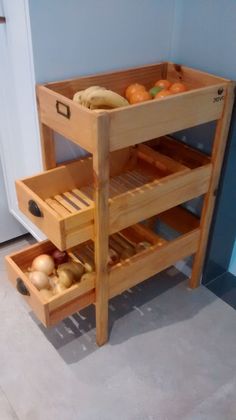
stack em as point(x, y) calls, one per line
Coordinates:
point(34, 209)
point(21, 287)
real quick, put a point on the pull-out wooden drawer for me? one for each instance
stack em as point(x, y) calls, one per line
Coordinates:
point(144, 261)
point(143, 182)
point(51, 311)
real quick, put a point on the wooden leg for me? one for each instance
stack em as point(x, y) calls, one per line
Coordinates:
point(47, 147)
point(101, 218)
point(220, 140)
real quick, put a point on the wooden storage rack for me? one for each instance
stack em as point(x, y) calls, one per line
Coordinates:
point(135, 172)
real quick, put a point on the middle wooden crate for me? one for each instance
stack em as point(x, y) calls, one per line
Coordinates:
point(143, 182)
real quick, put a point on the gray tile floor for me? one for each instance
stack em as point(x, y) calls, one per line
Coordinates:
point(171, 356)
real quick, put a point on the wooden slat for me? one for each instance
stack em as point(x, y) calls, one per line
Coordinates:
point(155, 158)
point(65, 204)
point(78, 203)
point(83, 196)
point(158, 196)
point(101, 220)
point(141, 122)
point(209, 201)
point(60, 210)
point(179, 219)
point(152, 261)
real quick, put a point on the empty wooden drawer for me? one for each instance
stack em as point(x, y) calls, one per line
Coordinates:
point(162, 254)
point(132, 124)
point(143, 182)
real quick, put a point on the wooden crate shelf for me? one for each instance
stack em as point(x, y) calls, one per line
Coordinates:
point(136, 172)
point(144, 182)
point(137, 123)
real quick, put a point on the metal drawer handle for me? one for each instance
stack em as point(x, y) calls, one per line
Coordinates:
point(63, 109)
point(21, 287)
point(34, 209)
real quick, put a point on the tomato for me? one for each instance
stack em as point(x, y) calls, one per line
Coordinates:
point(135, 87)
point(163, 94)
point(139, 96)
point(178, 87)
point(163, 83)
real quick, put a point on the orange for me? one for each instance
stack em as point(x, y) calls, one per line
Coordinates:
point(163, 93)
point(139, 96)
point(163, 83)
point(133, 88)
point(178, 87)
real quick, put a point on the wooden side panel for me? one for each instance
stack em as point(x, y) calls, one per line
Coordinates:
point(142, 122)
point(71, 294)
point(77, 228)
point(127, 209)
point(71, 307)
point(64, 178)
point(192, 77)
point(179, 219)
point(142, 266)
point(179, 151)
point(74, 121)
point(50, 223)
point(117, 81)
point(40, 309)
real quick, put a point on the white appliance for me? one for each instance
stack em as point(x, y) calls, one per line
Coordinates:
point(9, 227)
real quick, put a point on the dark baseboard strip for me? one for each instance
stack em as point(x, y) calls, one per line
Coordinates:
point(224, 286)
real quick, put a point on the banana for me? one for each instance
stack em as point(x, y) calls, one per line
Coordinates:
point(98, 98)
point(77, 96)
point(87, 92)
point(107, 98)
point(81, 95)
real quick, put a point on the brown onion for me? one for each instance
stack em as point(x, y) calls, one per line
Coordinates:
point(43, 263)
point(39, 279)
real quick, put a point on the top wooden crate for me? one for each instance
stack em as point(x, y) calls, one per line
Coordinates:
point(133, 124)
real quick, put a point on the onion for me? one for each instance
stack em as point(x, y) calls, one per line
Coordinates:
point(88, 276)
point(113, 257)
point(76, 268)
point(66, 277)
point(58, 289)
point(59, 257)
point(39, 279)
point(43, 263)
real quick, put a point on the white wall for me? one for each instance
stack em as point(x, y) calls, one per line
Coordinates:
point(204, 37)
point(79, 37)
point(76, 37)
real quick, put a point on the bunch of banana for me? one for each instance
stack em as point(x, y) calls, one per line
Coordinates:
point(97, 97)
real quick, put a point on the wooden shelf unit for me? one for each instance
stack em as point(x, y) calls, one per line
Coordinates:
point(124, 182)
